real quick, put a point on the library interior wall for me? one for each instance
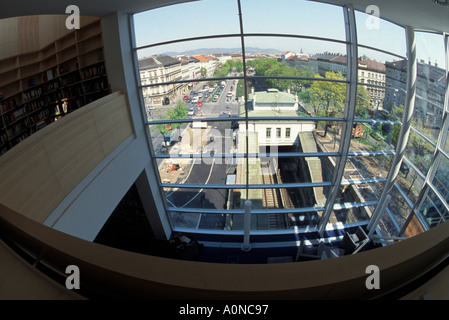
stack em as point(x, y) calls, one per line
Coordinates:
point(36, 32)
point(84, 213)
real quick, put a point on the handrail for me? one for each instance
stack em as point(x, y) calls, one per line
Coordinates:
point(115, 273)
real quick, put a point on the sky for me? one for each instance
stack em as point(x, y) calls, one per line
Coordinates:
point(220, 17)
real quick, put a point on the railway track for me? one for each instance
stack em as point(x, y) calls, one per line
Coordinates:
point(270, 200)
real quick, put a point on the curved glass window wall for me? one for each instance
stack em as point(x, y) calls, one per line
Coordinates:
point(302, 115)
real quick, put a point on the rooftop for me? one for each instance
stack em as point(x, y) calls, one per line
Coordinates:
point(273, 102)
point(157, 61)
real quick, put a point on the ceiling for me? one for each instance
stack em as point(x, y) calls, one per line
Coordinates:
point(420, 14)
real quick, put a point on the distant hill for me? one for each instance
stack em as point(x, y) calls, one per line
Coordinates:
point(223, 50)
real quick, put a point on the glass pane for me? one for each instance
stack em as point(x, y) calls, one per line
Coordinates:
point(199, 152)
point(419, 151)
point(433, 210)
point(367, 167)
point(400, 211)
point(204, 18)
point(409, 181)
point(283, 170)
point(441, 179)
point(446, 145)
point(384, 78)
point(293, 17)
point(190, 60)
point(379, 33)
point(199, 220)
point(361, 192)
point(374, 136)
point(278, 136)
point(351, 215)
point(282, 56)
point(431, 84)
point(199, 99)
point(271, 221)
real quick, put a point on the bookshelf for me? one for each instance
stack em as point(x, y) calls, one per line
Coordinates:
point(38, 88)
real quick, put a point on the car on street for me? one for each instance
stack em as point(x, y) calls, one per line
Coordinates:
point(185, 97)
point(215, 98)
point(191, 112)
point(199, 103)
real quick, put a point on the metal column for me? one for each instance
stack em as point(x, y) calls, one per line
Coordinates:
point(440, 143)
point(405, 129)
point(351, 98)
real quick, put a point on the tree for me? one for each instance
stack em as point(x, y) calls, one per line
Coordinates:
point(270, 67)
point(328, 97)
point(179, 112)
point(362, 103)
point(203, 71)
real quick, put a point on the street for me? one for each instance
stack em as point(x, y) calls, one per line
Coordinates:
point(203, 170)
point(224, 107)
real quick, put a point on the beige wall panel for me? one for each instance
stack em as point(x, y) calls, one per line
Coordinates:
point(28, 34)
point(40, 172)
point(113, 124)
point(8, 38)
point(29, 185)
point(74, 151)
point(51, 28)
point(31, 33)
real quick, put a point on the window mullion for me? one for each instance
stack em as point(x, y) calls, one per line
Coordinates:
point(351, 94)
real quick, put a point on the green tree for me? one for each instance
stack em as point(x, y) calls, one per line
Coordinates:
point(362, 103)
point(328, 97)
point(178, 112)
point(203, 71)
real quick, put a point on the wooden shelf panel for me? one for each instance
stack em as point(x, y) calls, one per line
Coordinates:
point(9, 65)
point(66, 42)
point(9, 77)
point(89, 31)
point(10, 91)
point(29, 59)
point(40, 87)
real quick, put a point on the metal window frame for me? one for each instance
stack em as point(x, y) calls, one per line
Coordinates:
point(439, 151)
point(348, 120)
point(351, 97)
point(405, 128)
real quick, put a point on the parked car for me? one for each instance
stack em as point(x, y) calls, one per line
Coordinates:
point(185, 97)
point(191, 112)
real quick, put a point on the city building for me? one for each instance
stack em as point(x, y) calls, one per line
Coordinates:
point(208, 64)
point(159, 69)
point(430, 90)
point(92, 207)
point(373, 72)
point(327, 61)
point(269, 138)
point(190, 67)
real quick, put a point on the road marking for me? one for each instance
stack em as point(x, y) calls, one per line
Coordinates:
point(208, 178)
